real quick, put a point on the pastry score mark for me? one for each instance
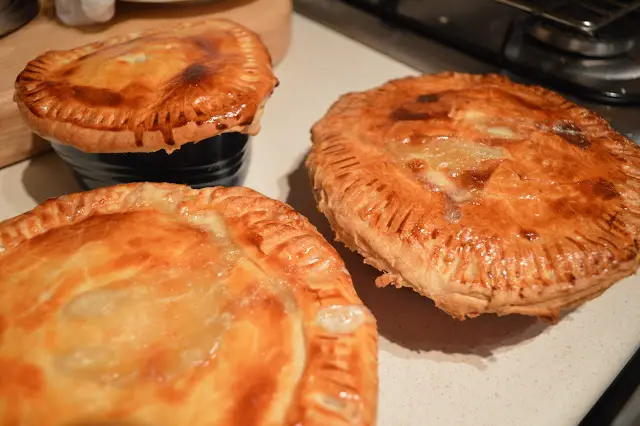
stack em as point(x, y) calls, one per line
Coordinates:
point(428, 98)
point(529, 235)
point(476, 179)
point(458, 169)
point(425, 107)
point(404, 114)
point(572, 134)
point(452, 212)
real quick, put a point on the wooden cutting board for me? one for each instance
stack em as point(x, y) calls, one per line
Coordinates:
point(271, 19)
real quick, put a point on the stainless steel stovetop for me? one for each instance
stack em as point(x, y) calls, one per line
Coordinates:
point(372, 23)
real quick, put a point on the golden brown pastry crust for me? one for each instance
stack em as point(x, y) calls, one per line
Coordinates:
point(157, 304)
point(482, 194)
point(147, 91)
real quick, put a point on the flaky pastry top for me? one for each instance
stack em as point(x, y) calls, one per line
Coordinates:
point(513, 194)
point(151, 90)
point(156, 304)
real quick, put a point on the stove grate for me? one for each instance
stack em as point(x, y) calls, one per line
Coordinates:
point(587, 16)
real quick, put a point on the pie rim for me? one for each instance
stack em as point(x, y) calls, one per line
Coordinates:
point(277, 228)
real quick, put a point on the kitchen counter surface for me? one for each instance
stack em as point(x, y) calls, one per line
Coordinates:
point(433, 369)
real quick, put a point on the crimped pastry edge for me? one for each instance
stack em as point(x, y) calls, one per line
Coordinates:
point(403, 262)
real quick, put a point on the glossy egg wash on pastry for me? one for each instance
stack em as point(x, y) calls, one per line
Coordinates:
point(151, 90)
point(175, 104)
point(482, 194)
point(156, 304)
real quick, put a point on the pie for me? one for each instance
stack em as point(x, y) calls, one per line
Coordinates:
point(484, 195)
point(151, 90)
point(158, 304)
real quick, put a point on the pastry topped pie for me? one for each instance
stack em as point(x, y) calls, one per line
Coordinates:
point(148, 91)
point(482, 194)
point(157, 304)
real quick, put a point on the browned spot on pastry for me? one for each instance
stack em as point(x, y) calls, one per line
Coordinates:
point(562, 207)
point(604, 189)
point(477, 179)
point(138, 138)
point(428, 98)
point(572, 134)
point(599, 188)
point(403, 114)
point(194, 74)
point(96, 96)
point(529, 234)
point(167, 134)
point(415, 165)
point(571, 207)
point(19, 378)
point(254, 239)
point(221, 126)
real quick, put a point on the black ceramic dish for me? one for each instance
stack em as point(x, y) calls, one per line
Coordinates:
point(16, 13)
point(220, 160)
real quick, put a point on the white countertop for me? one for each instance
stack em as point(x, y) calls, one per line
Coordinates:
point(433, 369)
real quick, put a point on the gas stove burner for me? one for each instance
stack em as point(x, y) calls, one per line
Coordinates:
point(611, 41)
point(582, 15)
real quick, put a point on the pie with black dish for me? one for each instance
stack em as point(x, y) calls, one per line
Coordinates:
point(158, 304)
point(480, 193)
point(147, 91)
